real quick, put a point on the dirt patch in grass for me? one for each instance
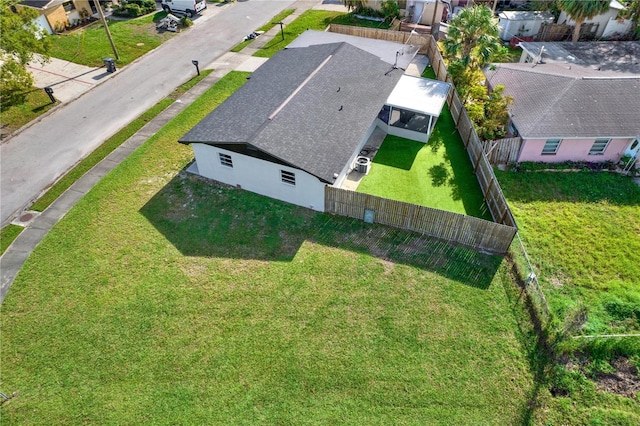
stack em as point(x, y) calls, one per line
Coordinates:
point(623, 381)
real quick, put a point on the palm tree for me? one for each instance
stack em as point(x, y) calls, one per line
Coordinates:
point(354, 5)
point(473, 37)
point(581, 10)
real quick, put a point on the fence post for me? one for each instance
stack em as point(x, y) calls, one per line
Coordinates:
point(489, 187)
point(468, 138)
point(475, 167)
point(504, 214)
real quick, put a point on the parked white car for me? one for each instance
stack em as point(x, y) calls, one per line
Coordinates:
point(188, 7)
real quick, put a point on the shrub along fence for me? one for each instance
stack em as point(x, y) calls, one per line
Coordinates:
point(478, 234)
point(491, 190)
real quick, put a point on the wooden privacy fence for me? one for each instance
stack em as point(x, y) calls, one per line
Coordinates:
point(502, 151)
point(470, 231)
point(491, 190)
point(419, 40)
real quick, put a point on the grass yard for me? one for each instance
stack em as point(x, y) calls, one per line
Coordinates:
point(13, 115)
point(133, 38)
point(266, 27)
point(583, 234)
point(437, 174)
point(309, 20)
point(163, 298)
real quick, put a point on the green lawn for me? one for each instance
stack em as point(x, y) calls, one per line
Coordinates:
point(163, 298)
point(437, 174)
point(15, 115)
point(309, 20)
point(583, 235)
point(133, 38)
point(266, 27)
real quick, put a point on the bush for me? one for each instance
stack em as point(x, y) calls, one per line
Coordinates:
point(390, 9)
point(186, 22)
point(368, 11)
point(133, 10)
point(530, 166)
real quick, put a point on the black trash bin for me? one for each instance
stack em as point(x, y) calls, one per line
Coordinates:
point(110, 64)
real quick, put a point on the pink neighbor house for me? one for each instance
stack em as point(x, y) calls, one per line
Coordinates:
point(574, 101)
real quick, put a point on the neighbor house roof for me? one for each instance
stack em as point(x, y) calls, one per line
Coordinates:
point(308, 107)
point(611, 56)
point(551, 100)
point(41, 4)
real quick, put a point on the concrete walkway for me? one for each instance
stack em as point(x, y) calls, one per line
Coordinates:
point(37, 224)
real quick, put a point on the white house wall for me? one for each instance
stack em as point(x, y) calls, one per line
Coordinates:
point(615, 28)
point(352, 161)
point(601, 20)
point(407, 134)
point(41, 21)
point(260, 176)
point(522, 28)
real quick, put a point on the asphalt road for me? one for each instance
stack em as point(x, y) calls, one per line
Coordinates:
point(35, 158)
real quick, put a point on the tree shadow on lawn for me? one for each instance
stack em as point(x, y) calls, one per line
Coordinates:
point(204, 218)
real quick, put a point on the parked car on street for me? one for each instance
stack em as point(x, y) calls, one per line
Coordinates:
point(187, 7)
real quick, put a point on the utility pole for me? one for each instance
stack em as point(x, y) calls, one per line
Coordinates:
point(106, 27)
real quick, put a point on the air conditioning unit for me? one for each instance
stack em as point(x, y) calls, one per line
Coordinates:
point(362, 165)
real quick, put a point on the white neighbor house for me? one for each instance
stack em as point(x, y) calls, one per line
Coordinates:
point(304, 116)
point(608, 24)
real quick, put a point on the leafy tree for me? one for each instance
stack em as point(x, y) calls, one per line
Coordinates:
point(21, 40)
point(632, 12)
point(581, 10)
point(472, 42)
point(390, 9)
point(496, 116)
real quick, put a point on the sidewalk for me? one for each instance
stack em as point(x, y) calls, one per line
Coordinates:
point(37, 224)
point(67, 79)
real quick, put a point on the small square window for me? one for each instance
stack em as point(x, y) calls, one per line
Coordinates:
point(551, 146)
point(288, 177)
point(599, 146)
point(226, 160)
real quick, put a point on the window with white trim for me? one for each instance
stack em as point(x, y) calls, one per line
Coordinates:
point(551, 146)
point(288, 177)
point(599, 146)
point(225, 160)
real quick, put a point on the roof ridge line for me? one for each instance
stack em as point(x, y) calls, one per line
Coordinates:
point(300, 87)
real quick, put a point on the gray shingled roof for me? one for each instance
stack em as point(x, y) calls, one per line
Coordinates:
point(612, 56)
point(41, 4)
point(549, 105)
point(320, 127)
